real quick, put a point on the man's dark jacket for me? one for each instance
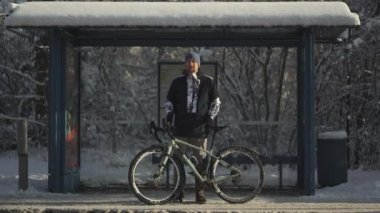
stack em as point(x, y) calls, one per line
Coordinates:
point(191, 124)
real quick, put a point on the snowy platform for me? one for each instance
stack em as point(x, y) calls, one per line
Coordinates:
point(360, 194)
point(125, 202)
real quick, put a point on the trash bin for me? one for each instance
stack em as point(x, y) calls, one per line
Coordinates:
point(332, 158)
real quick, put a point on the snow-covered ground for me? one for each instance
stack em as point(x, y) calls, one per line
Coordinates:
point(98, 168)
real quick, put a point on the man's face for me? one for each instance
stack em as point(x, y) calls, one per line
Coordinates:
point(191, 66)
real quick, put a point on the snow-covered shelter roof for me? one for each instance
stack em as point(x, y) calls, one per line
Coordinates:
point(186, 23)
point(181, 14)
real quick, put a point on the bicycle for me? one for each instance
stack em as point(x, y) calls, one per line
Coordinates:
point(156, 175)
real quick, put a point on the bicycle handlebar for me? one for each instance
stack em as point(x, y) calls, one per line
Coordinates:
point(168, 130)
point(156, 129)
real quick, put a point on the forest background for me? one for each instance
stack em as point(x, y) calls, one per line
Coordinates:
point(257, 87)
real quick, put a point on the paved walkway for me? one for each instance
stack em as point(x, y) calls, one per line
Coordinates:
point(118, 201)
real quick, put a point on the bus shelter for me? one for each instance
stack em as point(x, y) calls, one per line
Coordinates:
point(177, 24)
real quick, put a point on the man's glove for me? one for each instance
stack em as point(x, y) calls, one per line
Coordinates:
point(169, 118)
point(210, 122)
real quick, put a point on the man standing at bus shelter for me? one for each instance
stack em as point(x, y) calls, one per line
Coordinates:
point(193, 103)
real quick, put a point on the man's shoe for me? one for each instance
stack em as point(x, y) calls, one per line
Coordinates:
point(179, 198)
point(200, 197)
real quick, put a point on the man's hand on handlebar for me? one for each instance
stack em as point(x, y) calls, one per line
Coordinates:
point(169, 118)
point(168, 127)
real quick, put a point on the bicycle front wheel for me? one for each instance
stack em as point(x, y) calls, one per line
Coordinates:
point(238, 174)
point(153, 180)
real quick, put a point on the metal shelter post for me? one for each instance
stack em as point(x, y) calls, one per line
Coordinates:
point(56, 98)
point(306, 110)
point(63, 114)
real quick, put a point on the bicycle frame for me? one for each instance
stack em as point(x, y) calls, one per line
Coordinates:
point(172, 146)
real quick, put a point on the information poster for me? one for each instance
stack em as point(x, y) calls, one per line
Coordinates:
point(71, 110)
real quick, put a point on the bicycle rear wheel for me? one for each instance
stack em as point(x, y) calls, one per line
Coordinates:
point(238, 174)
point(151, 181)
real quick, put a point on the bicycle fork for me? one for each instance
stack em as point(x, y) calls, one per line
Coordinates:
point(164, 162)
